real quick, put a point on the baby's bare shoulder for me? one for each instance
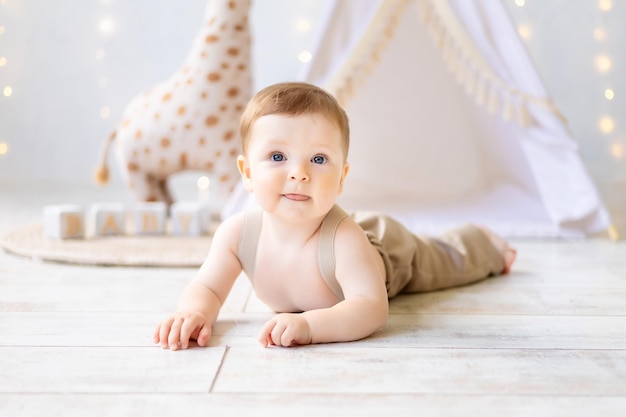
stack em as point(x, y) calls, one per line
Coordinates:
point(351, 236)
point(229, 230)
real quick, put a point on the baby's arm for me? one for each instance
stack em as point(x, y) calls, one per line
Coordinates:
point(361, 274)
point(200, 302)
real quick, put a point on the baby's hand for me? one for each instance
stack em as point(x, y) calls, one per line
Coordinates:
point(285, 330)
point(179, 328)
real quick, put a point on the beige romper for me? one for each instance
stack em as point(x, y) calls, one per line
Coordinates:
point(412, 263)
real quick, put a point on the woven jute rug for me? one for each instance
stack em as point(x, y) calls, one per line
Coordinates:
point(127, 250)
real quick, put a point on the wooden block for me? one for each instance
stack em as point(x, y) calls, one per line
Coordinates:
point(108, 219)
point(150, 218)
point(190, 218)
point(64, 221)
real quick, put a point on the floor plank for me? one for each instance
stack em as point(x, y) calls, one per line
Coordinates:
point(347, 369)
point(305, 405)
point(107, 370)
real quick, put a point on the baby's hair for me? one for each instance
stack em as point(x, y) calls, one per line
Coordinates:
point(293, 98)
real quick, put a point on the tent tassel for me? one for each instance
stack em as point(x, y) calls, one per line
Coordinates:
point(523, 114)
point(481, 91)
point(508, 110)
point(492, 103)
point(470, 81)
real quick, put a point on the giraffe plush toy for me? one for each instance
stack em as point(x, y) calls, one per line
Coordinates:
point(189, 121)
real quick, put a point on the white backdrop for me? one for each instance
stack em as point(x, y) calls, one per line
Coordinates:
point(72, 65)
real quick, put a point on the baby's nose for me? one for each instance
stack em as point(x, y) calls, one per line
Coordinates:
point(299, 173)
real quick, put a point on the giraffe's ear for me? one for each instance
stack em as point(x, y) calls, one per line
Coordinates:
point(244, 170)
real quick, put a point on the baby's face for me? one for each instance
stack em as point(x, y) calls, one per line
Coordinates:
point(294, 165)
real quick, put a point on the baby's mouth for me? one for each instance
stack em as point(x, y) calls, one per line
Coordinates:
point(296, 197)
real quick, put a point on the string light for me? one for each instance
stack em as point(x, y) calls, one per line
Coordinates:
point(107, 26)
point(305, 56)
point(605, 5)
point(203, 183)
point(8, 91)
point(617, 150)
point(4, 148)
point(303, 25)
point(2, 29)
point(609, 94)
point(599, 34)
point(524, 32)
point(607, 125)
point(603, 63)
point(3, 61)
point(105, 112)
point(520, 3)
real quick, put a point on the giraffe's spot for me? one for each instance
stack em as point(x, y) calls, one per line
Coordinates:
point(189, 81)
point(165, 142)
point(209, 166)
point(186, 69)
point(239, 28)
point(229, 135)
point(157, 116)
point(232, 51)
point(211, 39)
point(132, 167)
point(135, 154)
point(218, 153)
point(167, 96)
point(231, 5)
point(187, 126)
point(233, 92)
point(146, 151)
point(211, 22)
point(176, 84)
point(202, 54)
point(233, 153)
point(239, 107)
point(163, 162)
point(182, 110)
point(204, 95)
point(224, 178)
point(183, 160)
point(214, 77)
point(173, 128)
point(151, 199)
point(223, 107)
point(126, 123)
point(211, 120)
point(223, 27)
point(138, 134)
point(202, 141)
point(225, 65)
point(242, 67)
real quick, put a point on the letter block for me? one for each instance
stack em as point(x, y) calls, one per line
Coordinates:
point(108, 219)
point(150, 218)
point(64, 221)
point(190, 218)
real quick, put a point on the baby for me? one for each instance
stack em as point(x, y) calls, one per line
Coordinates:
point(329, 275)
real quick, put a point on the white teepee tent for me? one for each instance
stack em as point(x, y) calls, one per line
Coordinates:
point(450, 122)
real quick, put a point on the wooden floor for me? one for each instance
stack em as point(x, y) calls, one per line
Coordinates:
point(547, 340)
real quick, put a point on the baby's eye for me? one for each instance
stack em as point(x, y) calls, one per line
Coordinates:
point(277, 157)
point(319, 159)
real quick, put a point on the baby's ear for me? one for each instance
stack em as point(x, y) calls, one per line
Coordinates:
point(244, 170)
point(346, 168)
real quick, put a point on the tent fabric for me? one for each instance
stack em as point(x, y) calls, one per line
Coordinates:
point(450, 122)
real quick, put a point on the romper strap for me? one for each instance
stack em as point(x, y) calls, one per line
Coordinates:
point(326, 250)
point(249, 240)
